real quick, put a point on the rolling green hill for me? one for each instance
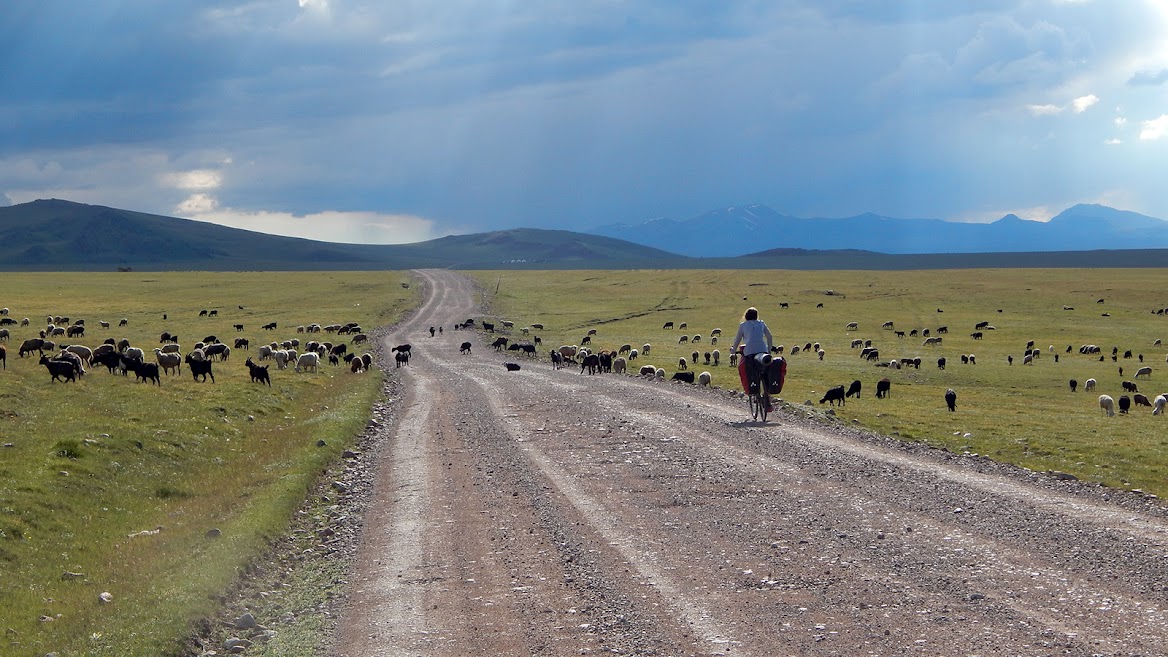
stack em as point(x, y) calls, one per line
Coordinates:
point(57, 235)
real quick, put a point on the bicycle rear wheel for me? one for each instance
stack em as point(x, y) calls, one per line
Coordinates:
point(763, 402)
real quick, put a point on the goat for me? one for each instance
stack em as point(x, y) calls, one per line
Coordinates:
point(259, 373)
point(200, 368)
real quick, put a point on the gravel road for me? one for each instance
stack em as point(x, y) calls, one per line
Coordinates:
point(545, 512)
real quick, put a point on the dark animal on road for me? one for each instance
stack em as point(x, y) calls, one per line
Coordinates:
point(684, 377)
point(591, 362)
point(465, 348)
point(511, 367)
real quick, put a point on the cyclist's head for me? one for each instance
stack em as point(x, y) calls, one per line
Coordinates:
point(751, 313)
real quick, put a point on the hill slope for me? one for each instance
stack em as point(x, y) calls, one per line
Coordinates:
point(744, 229)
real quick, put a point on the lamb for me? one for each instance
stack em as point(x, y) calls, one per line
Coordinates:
point(951, 399)
point(259, 374)
point(1130, 386)
point(833, 395)
point(1089, 385)
point(854, 389)
point(308, 360)
point(704, 379)
point(557, 359)
point(1107, 404)
point(63, 371)
point(200, 368)
point(168, 361)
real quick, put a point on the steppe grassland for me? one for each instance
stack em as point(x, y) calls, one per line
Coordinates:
point(1024, 414)
point(93, 462)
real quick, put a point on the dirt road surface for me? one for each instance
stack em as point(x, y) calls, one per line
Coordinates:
point(544, 512)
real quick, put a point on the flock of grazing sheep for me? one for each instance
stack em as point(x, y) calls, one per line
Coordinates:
point(618, 360)
point(68, 359)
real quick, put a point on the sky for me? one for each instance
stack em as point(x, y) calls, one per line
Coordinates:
point(386, 121)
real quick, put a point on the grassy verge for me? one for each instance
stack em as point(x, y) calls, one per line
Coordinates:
point(1024, 414)
point(160, 495)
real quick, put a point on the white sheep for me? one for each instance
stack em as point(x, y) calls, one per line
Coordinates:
point(308, 360)
point(1107, 404)
point(4, 311)
point(1089, 385)
point(265, 352)
point(821, 353)
point(1145, 372)
point(132, 353)
point(85, 353)
point(704, 379)
point(168, 360)
point(281, 356)
point(197, 354)
point(24, 322)
point(172, 348)
point(717, 356)
point(1159, 403)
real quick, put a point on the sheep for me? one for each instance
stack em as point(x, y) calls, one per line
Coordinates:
point(200, 368)
point(853, 326)
point(683, 339)
point(586, 340)
point(682, 326)
point(1159, 403)
point(667, 325)
point(624, 349)
point(660, 373)
point(1074, 384)
point(888, 326)
point(168, 361)
point(857, 343)
point(716, 332)
point(821, 353)
point(464, 348)
point(401, 359)
point(61, 370)
point(1145, 372)
point(265, 352)
point(557, 359)
point(259, 374)
point(931, 341)
point(717, 356)
point(308, 360)
point(645, 349)
point(883, 388)
point(633, 354)
point(951, 400)
point(618, 365)
point(1130, 386)
point(359, 338)
point(854, 389)
point(218, 349)
point(704, 379)
point(134, 353)
point(242, 343)
point(684, 377)
point(833, 395)
point(356, 365)
point(1089, 385)
point(591, 362)
point(648, 370)
point(1124, 404)
point(1141, 400)
point(681, 363)
point(146, 372)
point(281, 357)
point(1107, 404)
point(512, 367)
point(696, 338)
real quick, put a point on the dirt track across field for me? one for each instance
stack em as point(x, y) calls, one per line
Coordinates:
point(545, 512)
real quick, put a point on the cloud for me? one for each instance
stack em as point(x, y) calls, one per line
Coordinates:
point(191, 180)
point(1155, 129)
point(5, 200)
point(328, 226)
point(1044, 110)
point(1120, 121)
point(1083, 103)
point(1149, 78)
point(1114, 141)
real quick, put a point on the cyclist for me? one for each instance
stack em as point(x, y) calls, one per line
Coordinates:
point(756, 338)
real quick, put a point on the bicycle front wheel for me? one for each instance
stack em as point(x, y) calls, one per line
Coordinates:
point(756, 407)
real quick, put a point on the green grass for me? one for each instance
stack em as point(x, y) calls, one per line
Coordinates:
point(1020, 414)
point(94, 467)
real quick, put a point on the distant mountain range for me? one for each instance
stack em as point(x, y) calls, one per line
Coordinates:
point(56, 235)
point(754, 228)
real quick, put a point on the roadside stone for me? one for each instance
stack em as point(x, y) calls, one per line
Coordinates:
point(245, 622)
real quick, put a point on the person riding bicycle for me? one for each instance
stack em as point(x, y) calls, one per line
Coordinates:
point(756, 338)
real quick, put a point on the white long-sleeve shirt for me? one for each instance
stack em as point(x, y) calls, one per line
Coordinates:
point(756, 336)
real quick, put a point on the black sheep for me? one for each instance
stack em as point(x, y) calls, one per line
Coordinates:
point(854, 389)
point(684, 377)
point(1124, 403)
point(833, 395)
point(465, 348)
point(883, 388)
point(512, 367)
point(1074, 384)
point(951, 399)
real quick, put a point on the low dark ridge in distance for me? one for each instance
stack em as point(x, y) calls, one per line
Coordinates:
point(58, 235)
